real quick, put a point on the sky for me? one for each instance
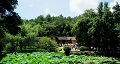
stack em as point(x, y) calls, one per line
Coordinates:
point(30, 9)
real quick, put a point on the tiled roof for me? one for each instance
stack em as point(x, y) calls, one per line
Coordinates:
point(66, 38)
point(62, 38)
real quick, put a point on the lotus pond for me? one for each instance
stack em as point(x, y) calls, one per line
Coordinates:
point(55, 58)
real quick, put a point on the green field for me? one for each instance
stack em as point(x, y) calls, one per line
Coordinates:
point(55, 58)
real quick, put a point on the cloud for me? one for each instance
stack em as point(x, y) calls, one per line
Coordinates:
point(113, 3)
point(79, 6)
point(47, 11)
point(31, 5)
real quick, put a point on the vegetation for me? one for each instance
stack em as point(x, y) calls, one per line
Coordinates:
point(83, 48)
point(55, 58)
point(100, 30)
point(47, 44)
point(67, 50)
point(50, 25)
point(9, 20)
point(59, 48)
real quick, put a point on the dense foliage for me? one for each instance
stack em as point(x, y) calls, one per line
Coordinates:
point(26, 37)
point(67, 50)
point(99, 29)
point(55, 58)
point(9, 20)
point(50, 25)
point(83, 48)
point(47, 44)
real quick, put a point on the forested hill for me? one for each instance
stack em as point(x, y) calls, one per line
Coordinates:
point(50, 25)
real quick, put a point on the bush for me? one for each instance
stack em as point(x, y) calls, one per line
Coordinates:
point(10, 41)
point(47, 44)
point(9, 48)
point(59, 48)
point(67, 50)
point(83, 48)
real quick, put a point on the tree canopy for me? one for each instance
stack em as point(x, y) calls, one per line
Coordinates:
point(99, 29)
point(9, 20)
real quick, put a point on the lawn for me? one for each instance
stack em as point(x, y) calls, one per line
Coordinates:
point(55, 58)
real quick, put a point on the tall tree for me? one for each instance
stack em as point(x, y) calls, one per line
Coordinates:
point(100, 9)
point(116, 13)
point(1, 33)
point(80, 30)
point(97, 29)
point(83, 28)
point(103, 29)
point(116, 19)
point(48, 18)
point(10, 19)
point(40, 19)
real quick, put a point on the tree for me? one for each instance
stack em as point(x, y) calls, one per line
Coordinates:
point(11, 42)
point(1, 29)
point(100, 10)
point(2, 34)
point(116, 13)
point(40, 19)
point(50, 25)
point(28, 34)
point(116, 19)
point(47, 44)
point(103, 29)
point(80, 30)
point(97, 29)
point(90, 13)
point(48, 18)
point(10, 19)
point(83, 28)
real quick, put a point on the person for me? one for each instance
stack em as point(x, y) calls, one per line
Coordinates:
point(75, 47)
point(70, 45)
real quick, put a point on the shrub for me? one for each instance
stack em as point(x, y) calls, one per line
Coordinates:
point(67, 50)
point(83, 48)
point(47, 44)
point(10, 41)
point(9, 48)
point(59, 48)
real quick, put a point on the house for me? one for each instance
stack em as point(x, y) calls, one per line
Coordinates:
point(64, 40)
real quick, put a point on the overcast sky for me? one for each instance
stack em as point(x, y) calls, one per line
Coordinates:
point(30, 9)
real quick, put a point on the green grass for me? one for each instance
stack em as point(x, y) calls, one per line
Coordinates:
point(55, 58)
